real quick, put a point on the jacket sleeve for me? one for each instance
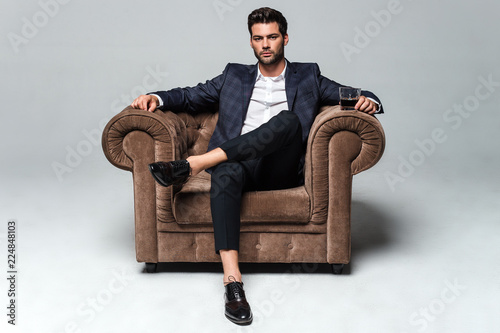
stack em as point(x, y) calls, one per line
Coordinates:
point(329, 91)
point(201, 98)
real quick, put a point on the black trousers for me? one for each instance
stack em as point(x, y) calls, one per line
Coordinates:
point(266, 158)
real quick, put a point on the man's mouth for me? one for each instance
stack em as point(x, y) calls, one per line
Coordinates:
point(266, 53)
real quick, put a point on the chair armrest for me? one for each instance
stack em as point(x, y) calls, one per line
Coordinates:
point(132, 140)
point(166, 128)
point(362, 153)
point(340, 144)
point(332, 120)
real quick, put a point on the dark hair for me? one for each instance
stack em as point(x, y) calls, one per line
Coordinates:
point(267, 15)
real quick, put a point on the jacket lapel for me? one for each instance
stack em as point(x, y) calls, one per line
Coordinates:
point(291, 84)
point(248, 83)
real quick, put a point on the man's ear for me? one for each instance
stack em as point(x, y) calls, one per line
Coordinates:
point(285, 39)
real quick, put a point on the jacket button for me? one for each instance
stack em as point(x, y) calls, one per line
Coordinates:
point(258, 246)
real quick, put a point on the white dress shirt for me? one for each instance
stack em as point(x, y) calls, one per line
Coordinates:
point(268, 99)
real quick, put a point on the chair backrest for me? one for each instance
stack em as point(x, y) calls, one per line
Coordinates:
point(199, 130)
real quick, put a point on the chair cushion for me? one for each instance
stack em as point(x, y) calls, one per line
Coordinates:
point(192, 204)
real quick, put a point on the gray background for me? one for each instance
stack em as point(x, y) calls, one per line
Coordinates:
point(425, 217)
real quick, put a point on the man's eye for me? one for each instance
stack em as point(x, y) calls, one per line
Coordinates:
point(273, 37)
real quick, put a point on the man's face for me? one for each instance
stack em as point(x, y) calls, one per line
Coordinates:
point(267, 43)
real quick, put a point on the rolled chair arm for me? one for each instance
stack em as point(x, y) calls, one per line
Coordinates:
point(332, 120)
point(366, 149)
point(166, 128)
point(131, 140)
point(341, 144)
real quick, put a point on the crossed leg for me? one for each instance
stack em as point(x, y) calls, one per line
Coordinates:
point(264, 159)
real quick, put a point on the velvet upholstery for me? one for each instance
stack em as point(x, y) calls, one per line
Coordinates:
point(310, 223)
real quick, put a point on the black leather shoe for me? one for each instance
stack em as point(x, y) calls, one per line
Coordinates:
point(237, 308)
point(170, 173)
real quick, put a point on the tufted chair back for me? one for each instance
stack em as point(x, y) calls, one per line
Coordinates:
point(199, 130)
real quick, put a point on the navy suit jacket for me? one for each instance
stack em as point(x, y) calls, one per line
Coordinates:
point(229, 93)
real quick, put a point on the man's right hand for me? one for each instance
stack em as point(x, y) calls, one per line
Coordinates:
point(146, 102)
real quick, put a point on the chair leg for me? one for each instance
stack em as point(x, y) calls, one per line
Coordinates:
point(151, 267)
point(337, 268)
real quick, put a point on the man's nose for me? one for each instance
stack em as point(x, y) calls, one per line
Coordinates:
point(265, 43)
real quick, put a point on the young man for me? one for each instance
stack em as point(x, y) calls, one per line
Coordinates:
point(274, 96)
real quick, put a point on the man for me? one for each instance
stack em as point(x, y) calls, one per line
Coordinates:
point(275, 97)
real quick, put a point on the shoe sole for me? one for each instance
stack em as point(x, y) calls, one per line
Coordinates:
point(240, 322)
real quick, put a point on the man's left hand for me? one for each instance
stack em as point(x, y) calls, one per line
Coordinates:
point(366, 105)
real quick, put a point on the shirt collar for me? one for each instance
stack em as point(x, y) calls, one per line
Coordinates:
point(277, 78)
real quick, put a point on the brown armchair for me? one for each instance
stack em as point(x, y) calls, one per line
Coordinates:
point(310, 223)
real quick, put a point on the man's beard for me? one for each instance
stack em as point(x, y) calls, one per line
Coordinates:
point(275, 58)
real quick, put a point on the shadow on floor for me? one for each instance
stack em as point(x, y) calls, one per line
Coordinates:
point(371, 229)
point(250, 268)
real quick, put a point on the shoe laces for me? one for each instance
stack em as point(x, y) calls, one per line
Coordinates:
point(235, 288)
point(179, 165)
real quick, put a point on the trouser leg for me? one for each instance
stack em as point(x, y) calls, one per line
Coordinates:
point(228, 181)
point(279, 132)
point(264, 159)
point(280, 169)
